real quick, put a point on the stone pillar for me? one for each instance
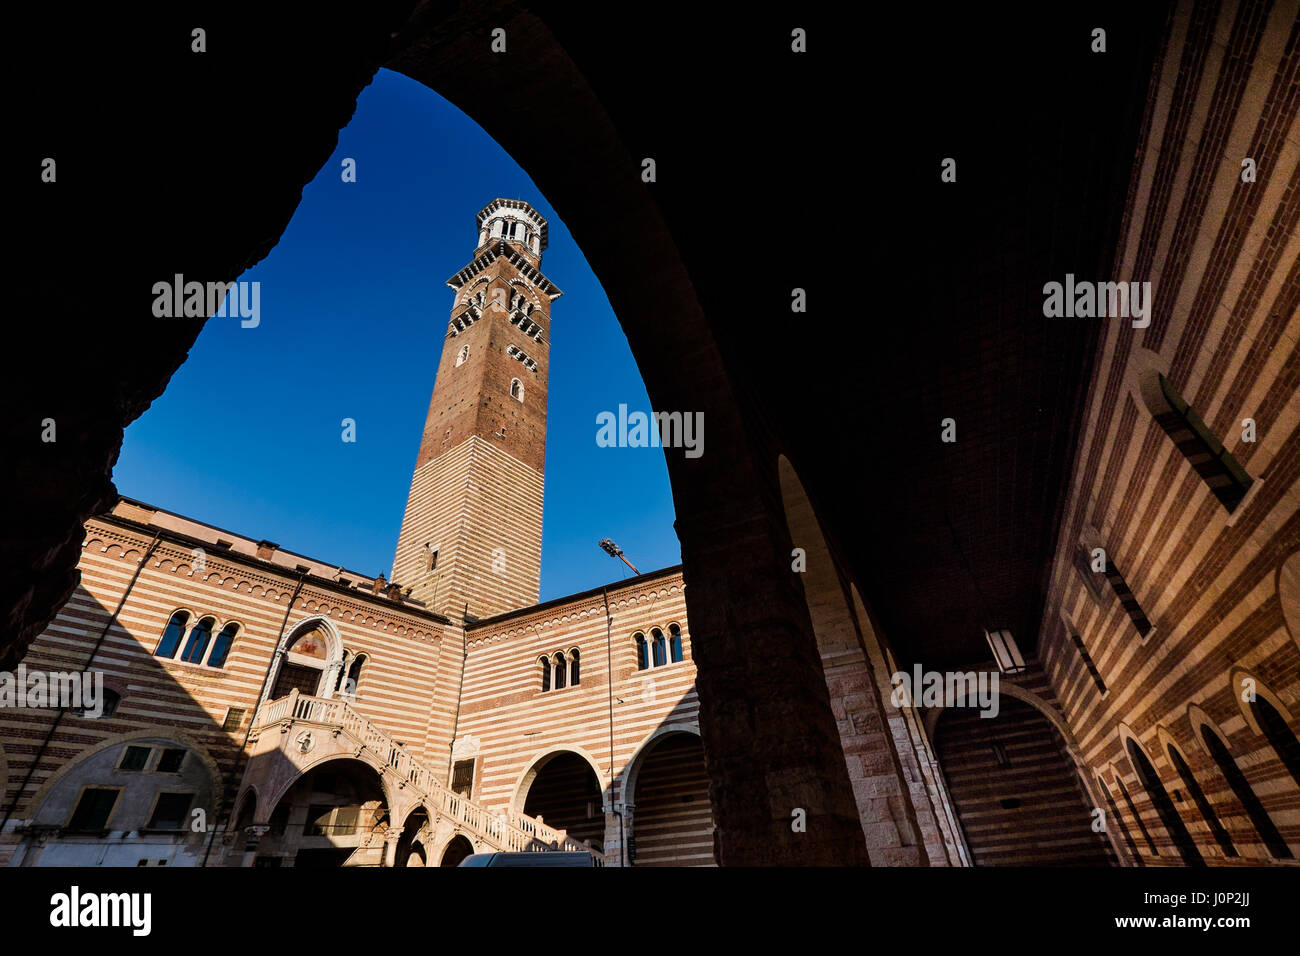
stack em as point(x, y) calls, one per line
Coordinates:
point(253, 838)
point(779, 785)
point(390, 846)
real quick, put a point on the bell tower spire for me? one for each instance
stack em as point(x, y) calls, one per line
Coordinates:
point(472, 530)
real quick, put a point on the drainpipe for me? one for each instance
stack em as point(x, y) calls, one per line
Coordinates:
point(609, 684)
point(232, 780)
point(58, 718)
point(455, 723)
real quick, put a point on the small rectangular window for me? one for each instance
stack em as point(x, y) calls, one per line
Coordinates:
point(93, 810)
point(135, 758)
point(1083, 564)
point(1227, 480)
point(1126, 598)
point(462, 778)
point(234, 718)
point(171, 760)
point(1087, 659)
point(171, 812)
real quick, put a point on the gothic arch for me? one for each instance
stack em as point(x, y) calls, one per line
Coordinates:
point(539, 762)
point(273, 797)
point(1025, 696)
point(333, 659)
point(1261, 690)
point(1149, 778)
point(625, 782)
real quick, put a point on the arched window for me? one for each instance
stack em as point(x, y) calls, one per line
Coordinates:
point(1114, 813)
point(516, 390)
point(1279, 735)
point(343, 671)
point(1223, 474)
point(1165, 808)
point(546, 674)
point(642, 658)
point(560, 672)
point(1245, 794)
point(657, 644)
point(674, 643)
point(1202, 803)
point(462, 355)
point(171, 638)
point(354, 675)
point(1133, 812)
point(573, 668)
point(197, 644)
point(221, 647)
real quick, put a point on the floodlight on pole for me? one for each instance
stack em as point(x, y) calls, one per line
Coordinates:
point(614, 551)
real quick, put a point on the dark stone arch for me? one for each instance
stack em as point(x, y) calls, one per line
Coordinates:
point(456, 850)
point(1015, 791)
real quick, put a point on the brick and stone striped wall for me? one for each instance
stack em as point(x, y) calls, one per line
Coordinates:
point(1224, 258)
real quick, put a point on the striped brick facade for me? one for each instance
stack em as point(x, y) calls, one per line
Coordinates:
point(153, 564)
point(1203, 566)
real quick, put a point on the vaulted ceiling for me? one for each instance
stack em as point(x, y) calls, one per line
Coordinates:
point(774, 171)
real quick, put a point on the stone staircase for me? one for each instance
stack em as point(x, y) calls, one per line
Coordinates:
point(348, 730)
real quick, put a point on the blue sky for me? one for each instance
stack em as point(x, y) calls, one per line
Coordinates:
point(353, 313)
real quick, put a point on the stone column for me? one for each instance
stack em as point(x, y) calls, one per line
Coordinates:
point(390, 846)
point(253, 838)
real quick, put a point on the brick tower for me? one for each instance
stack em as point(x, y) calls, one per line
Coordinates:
point(472, 531)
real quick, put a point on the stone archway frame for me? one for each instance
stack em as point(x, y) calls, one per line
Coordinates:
point(1198, 718)
point(433, 858)
point(1016, 692)
point(158, 733)
point(333, 663)
point(1261, 690)
point(539, 762)
point(396, 807)
point(1125, 734)
point(625, 782)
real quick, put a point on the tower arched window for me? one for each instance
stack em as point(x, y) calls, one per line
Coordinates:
point(560, 671)
point(658, 647)
point(1264, 826)
point(546, 674)
point(574, 675)
point(462, 355)
point(674, 643)
point(197, 644)
point(642, 656)
point(221, 647)
point(171, 638)
point(516, 390)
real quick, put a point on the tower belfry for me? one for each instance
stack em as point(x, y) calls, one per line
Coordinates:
point(472, 531)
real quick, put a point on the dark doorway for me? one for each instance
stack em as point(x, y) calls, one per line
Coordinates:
point(566, 794)
point(296, 676)
point(673, 821)
point(457, 850)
